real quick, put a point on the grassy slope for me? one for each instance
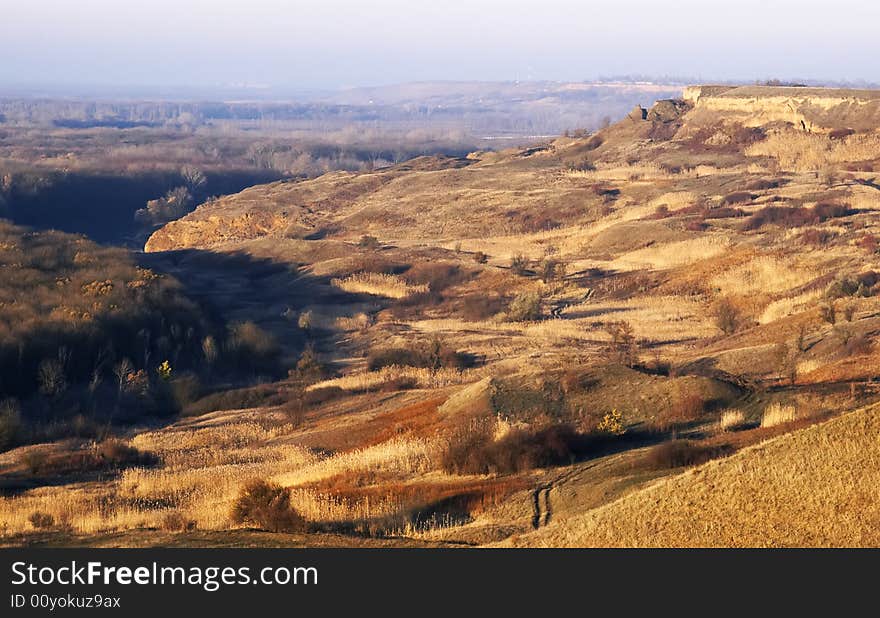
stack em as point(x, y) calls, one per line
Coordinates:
point(815, 487)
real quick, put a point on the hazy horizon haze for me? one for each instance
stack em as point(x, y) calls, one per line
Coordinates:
point(338, 43)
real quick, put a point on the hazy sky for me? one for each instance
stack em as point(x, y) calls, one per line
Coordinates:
point(338, 43)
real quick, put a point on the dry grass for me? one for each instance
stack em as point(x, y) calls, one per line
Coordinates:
point(807, 366)
point(801, 152)
point(816, 487)
point(784, 307)
point(419, 376)
point(778, 414)
point(768, 274)
point(653, 318)
point(203, 473)
point(379, 284)
point(401, 455)
point(673, 254)
point(731, 419)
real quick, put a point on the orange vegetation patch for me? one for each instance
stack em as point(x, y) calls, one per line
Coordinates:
point(416, 419)
point(470, 495)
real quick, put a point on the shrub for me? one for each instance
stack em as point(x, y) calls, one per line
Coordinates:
point(267, 506)
point(434, 354)
point(738, 197)
point(727, 316)
point(41, 521)
point(51, 377)
point(778, 414)
point(164, 370)
point(480, 257)
point(763, 184)
point(796, 216)
point(830, 210)
point(176, 203)
point(116, 453)
point(322, 395)
point(852, 286)
point(687, 409)
point(481, 307)
point(828, 313)
point(402, 383)
point(722, 212)
point(612, 423)
point(681, 453)
point(475, 451)
point(840, 133)
point(294, 411)
point(552, 270)
point(690, 408)
point(436, 275)
point(519, 265)
point(524, 307)
point(594, 142)
point(868, 244)
point(309, 366)
point(696, 225)
point(623, 347)
point(369, 242)
point(176, 522)
point(34, 460)
point(817, 237)
point(858, 345)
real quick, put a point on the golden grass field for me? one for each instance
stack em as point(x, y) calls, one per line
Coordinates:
point(693, 299)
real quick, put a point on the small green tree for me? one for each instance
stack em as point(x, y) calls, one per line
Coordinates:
point(525, 307)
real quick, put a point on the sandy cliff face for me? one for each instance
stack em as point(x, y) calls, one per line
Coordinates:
point(813, 109)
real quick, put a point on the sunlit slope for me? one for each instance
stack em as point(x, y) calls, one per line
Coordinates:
point(816, 487)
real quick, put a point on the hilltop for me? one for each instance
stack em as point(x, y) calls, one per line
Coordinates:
point(530, 345)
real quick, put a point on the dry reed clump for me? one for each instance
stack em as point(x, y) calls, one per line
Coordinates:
point(379, 284)
point(778, 414)
point(807, 366)
point(731, 420)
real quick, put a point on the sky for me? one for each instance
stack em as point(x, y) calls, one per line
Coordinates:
point(330, 44)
